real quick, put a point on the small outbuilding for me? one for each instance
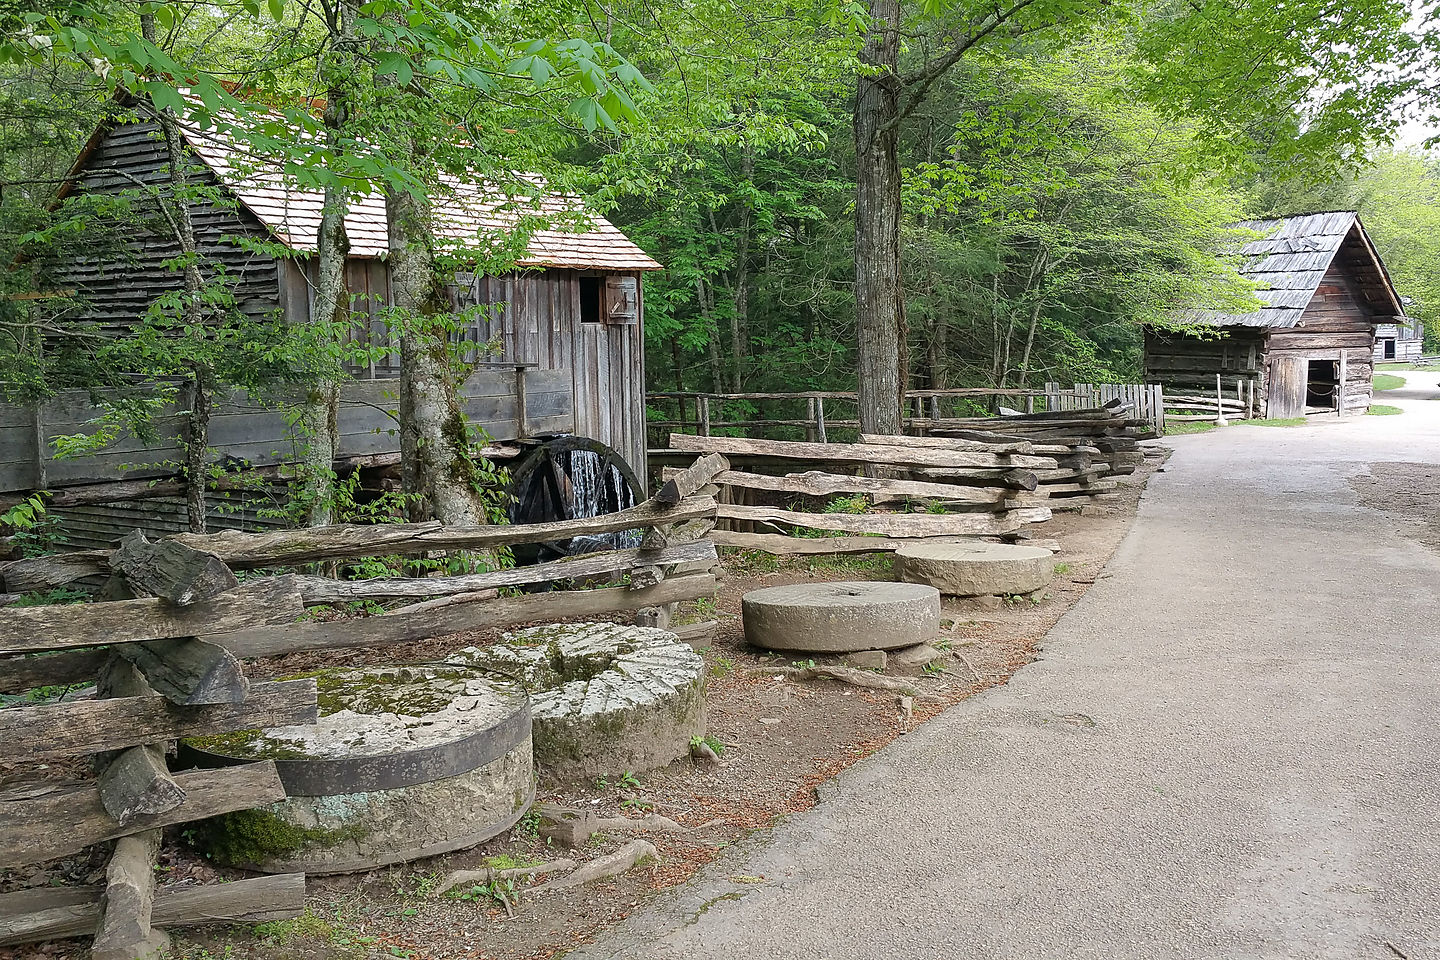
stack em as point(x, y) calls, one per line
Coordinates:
point(1311, 347)
point(1400, 341)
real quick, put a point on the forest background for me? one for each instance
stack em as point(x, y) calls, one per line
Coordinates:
point(1032, 184)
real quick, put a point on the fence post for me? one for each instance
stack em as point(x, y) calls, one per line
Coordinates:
point(1340, 388)
point(810, 427)
point(820, 419)
point(1220, 420)
point(704, 416)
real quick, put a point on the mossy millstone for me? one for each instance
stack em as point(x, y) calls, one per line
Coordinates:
point(405, 762)
point(842, 617)
point(606, 697)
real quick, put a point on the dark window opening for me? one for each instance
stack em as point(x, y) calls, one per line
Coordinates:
point(1389, 349)
point(1320, 387)
point(592, 298)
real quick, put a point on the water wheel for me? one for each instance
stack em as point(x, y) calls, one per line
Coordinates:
point(570, 478)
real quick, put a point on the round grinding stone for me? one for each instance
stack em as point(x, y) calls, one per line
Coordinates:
point(607, 697)
point(976, 569)
point(841, 617)
point(403, 763)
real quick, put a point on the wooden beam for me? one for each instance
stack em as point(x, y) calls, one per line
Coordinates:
point(134, 782)
point(125, 931)
point(692, 479)
point(92, 726)
point(340, 541)
point(888, 524)
point(784, 546)
point(818, 484)
point(995, 445)
point(137, 784)
point(243, 551)
point(25, 672)
point(610, 563)
point(170, 570)
point(855, 453)
point(460, 617)
point(57, 913)
point(55, 570)
point(189, 671)
point(32, 812)
point(56, 627)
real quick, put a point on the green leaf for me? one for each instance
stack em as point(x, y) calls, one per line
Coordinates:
point(277, 9)
point(164, 96)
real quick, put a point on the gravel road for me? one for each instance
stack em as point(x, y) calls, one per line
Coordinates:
point(1230, 748)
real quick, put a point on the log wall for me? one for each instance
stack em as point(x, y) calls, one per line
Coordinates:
point(1186, 365)
point(1339, 320)
point(257, 431)
point(117, 291)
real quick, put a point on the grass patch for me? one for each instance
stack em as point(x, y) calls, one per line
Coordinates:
point(1381, 410)
point(1396, 365)
point(1276, 422)
point(1388, 381)
point(310, 928)
point(1196, 426)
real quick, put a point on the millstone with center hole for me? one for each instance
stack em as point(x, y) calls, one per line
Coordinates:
point(607, 698)
point(405, 762)
point(976, 569)
point(841, 617)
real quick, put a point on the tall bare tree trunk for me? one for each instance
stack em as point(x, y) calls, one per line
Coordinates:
point(879, 297)
point(740, 322)
point(434, 437)
point(197, 416)
point(322, 404)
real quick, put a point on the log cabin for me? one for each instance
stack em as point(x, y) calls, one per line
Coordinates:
point(1399, 342)
point(1311, 346)
point(558, 352)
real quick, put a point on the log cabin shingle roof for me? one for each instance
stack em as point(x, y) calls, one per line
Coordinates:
point(466, 213)
point(1291, 258)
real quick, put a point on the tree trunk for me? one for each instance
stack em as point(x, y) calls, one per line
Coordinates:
point(435, 441)
point(740, 322)
point(197, 439)
point(879, 299)
point(318, 418)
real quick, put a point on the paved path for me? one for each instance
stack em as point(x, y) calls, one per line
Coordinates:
point(1229, 749)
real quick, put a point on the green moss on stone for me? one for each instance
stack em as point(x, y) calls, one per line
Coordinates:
point(250, 837)
point(248, 744)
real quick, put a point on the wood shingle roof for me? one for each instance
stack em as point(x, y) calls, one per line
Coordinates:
point(1291, 259)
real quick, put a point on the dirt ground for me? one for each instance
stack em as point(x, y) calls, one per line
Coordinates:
point(1407, 492)
point(780, 739)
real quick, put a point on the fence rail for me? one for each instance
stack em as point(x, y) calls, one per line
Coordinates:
point(1146, 400)
point(167, 661)
point(807, 411)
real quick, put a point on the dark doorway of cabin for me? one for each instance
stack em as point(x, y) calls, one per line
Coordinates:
point(1389, 349)
point(1320, 384)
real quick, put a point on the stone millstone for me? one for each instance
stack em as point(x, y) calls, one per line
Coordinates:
point(607, 698)
point(841, 617)
point(404, 762)
point(976, 569)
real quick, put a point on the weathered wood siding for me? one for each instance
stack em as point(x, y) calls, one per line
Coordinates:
point(1399, 342)
point(118, 291)
point(255, 431)
point(1338, 320)
point(1188, 365)
point(534, 317)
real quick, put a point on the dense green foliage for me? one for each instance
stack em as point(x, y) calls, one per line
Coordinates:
point(1066, 180)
